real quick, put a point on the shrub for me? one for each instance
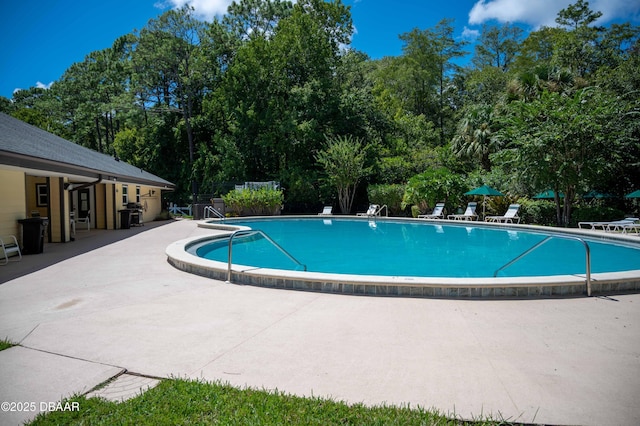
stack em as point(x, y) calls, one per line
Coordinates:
point(538, 212)
point(254, 202)
point(391, 195)
point(434, 185)
point(594, 214)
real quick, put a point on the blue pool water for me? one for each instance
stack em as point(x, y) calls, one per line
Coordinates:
point(397, 248)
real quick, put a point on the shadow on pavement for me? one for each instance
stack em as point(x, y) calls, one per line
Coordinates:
point(53, 253)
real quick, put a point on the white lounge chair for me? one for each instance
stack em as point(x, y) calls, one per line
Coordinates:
point(624, 226)
point(508, 217)
point(610, 226)
point(437, 213)
point(469, 214)
point(9, 246)
point(372, 211)
point(86, 220)
point(326, 211)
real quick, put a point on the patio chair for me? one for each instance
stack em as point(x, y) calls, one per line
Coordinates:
point(469, 214)
point(327, 210)
point(508, 217)
point(372, 211)
point(611, 225)
point(9, 247)
point(437, 213)
point(86, 220)
point(624, 225)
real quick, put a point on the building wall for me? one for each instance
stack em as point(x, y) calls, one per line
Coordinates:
point(60, 207)
point(19, 200)
point(13, 204)
point(100, 206)
point(32, 183)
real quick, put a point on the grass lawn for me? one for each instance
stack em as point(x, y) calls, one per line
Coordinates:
point(185, 402)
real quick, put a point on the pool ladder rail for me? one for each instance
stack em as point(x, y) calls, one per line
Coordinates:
point(539, 243)
point(265, 236)
point(210, 211)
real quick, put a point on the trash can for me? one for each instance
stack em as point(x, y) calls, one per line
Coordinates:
point(32, 235)
point(125, 219)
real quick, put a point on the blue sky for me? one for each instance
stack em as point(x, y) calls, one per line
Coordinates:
point(41, 39)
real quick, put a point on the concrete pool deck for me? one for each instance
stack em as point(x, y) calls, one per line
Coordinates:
point(122, 307)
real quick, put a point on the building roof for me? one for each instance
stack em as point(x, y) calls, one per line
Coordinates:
point(28, 147)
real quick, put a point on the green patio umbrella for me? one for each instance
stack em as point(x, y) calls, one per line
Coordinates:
point(634, 194)
point(595, 194)
point(485, 191)
point(549, 194)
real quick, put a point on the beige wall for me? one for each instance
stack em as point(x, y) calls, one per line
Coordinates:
point(59, 207)
point(149, 198)
point(32, 195)
point(18, 198)
point(13, 202)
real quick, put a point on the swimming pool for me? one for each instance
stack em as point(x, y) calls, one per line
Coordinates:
point(415, 257)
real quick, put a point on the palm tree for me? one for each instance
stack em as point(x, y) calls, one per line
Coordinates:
point(474, 135)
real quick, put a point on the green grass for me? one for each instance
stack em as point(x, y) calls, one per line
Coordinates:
point(5, 344)
point(186, 402)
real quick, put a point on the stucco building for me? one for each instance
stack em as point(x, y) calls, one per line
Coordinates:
point(44, 175)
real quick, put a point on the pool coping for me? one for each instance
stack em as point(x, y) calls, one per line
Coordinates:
point(407, 286)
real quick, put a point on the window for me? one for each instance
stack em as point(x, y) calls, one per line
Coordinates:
point(138, 194)
point(125, 194)
point(42, 195)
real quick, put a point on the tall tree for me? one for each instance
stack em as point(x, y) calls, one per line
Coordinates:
point(169, 73)
point(498, 46)
point(576, 48)
point(428, 55)
point(564, 142)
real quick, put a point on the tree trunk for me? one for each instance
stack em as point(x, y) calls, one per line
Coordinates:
point(99, 135)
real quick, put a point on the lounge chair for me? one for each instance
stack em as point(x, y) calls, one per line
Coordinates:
point(10, 245)
point(610, 226)
point(624, 226)
point(326, 211)
point(372, 211)
point(508, 217)
point(437, 213)
point(86, 220)
point(469, 214)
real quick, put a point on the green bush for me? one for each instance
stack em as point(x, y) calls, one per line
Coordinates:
point(254, 202)
point(391, 195)
point(594, 214)
point(537, 212)
point(433, 186)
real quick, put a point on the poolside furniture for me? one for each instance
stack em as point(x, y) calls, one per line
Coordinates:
point(9, 246)
point(437, 213)
point(86, 220)
point(327, 210)
point(372, 211)
point(609, 226)
point(624, 226)
point(508, 217)
point(469, 214)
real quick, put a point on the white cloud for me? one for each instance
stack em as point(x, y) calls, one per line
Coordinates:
point(41, 85)
point(469, 34)
point(544, 12)
point(206, 9)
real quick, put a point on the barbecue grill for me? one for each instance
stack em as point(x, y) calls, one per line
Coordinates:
point(135, 213)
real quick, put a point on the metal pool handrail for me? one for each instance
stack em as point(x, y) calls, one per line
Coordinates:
point(212, 210)
point(268, 238)
point(538, 244)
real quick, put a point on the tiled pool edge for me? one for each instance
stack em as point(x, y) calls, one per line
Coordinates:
point(490, 288)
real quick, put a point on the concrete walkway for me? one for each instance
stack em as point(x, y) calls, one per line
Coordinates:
point(122, 307)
